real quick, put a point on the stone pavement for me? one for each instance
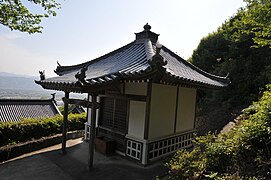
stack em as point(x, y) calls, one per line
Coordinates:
point(50, 164)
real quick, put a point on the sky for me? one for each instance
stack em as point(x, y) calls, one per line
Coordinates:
point(84, 30)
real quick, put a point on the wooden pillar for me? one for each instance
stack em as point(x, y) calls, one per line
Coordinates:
point(92, 130)
point(65, 124)
point(148, 109)
point(176, 109)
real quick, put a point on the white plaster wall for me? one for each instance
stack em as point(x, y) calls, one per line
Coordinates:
point(137, 119)
point(136, 88)
point(186, 109)
point(162, 110)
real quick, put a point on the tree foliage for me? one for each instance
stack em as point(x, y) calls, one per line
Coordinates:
point(15, 15)
point(225, 52)
point(256, 16)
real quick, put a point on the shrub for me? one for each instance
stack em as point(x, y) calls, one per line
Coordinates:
point(244, 152)
point(28, 129)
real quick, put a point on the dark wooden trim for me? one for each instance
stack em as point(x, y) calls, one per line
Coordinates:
point(123, 88)
point(195, 109)
point(114, 113)
point(115, 96)
point(127, 116)
point(100, 111)
point(65, 124)
point(92, 130)
point(148, 108)
point(176, 108)
point(137, 97)
point(80, 102)
point(126, 96)
point(112, 130)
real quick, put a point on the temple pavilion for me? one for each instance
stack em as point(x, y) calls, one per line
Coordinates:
point(141, 96)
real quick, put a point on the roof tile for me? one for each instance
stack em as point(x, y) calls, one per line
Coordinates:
point(14, 110)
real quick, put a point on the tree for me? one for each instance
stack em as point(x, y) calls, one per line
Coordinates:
point(15, 15)
point(229, 51)
point(257, 17)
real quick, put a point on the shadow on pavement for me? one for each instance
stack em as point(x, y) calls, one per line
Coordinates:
point(54, 165)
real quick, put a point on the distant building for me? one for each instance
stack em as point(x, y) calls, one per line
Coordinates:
point(14, 110)
point(76, 109)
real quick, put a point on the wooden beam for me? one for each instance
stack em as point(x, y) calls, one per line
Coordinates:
point(126, 96)
point(65, 124)
point(80, 102)
point(92, 131)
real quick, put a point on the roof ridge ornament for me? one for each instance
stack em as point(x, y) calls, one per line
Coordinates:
point(147, 27)
point(228, 79)
point(80, 76)
point(147, 34)
point(157, 60)
point(42, 75)
point(58, 64)
point(158, 47)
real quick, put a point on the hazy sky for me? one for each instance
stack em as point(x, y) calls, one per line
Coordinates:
point(84, 30)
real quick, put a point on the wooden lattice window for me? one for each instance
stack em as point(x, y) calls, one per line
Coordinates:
point(114, 114)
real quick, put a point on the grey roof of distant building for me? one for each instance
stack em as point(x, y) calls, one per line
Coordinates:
point(132, 62)
point(14, 110)
point(77, 109)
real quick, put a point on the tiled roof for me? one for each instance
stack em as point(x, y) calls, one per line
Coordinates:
point(77, 110)
point(132, 62)
point(13, 110)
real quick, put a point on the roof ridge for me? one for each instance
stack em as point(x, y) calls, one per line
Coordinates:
point(26, 100)
point(209, 75)
point(149, 49)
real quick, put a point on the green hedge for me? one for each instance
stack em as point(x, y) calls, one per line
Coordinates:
point(242, 153)
point(28, 129)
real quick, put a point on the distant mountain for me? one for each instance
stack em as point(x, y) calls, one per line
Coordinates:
point(23, 86)
point(13, 81)
point(7, 74)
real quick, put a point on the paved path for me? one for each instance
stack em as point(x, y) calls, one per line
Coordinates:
point(50, 164)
